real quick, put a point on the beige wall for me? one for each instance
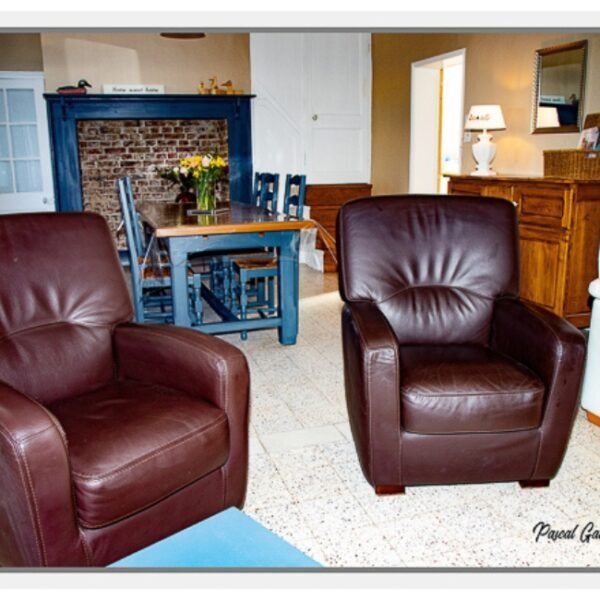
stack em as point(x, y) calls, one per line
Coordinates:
point(499, 70)
point(20, 52)
point(145, 58)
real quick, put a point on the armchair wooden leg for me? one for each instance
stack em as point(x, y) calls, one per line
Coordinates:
point(386, 490)
point(534, 483)
point(592, 418)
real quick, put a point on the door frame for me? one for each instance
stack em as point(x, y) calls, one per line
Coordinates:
point(425, 121)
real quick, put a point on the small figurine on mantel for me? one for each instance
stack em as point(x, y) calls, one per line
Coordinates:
point(212, 85)
point(80, 88)
point(214, 89)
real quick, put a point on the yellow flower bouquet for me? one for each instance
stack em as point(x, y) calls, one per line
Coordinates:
point(199, 173)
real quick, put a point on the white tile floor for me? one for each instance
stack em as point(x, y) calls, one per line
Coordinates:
point(305, 483)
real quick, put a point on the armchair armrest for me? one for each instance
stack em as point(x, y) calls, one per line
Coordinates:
point(372, 379)
point(184, 359)
point(37, 515)
point(201, 366)
point(554, 350)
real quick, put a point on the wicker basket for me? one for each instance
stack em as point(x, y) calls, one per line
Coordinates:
point(574, 164)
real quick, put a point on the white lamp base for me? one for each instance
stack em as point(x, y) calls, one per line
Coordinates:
point(484, 151)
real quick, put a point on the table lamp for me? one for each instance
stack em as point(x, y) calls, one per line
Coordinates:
point(484, 117)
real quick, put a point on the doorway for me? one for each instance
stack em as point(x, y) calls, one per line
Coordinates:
point(25, 164)
point(436, 121)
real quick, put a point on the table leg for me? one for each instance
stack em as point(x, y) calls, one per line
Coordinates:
point(179, 290)
point(288, 287)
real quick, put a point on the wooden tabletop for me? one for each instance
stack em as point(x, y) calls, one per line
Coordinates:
point(171, 219)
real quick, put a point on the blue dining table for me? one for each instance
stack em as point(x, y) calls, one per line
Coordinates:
point(239, 226)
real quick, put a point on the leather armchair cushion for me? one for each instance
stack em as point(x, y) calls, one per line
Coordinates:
point(44, 352)
point(132, 444)
point(467, 388)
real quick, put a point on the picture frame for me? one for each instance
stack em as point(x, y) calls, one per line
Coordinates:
point(588, 140)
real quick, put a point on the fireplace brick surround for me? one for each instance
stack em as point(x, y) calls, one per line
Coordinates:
point(109, 149)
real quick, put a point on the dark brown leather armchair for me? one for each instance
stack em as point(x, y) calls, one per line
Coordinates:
point(112, 435)
point(449, 377)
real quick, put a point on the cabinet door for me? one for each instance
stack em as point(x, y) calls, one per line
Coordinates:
point(543, 267)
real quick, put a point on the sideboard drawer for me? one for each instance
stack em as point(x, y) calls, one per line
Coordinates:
point(544, 205)
point(499, 190)
point(481, 188)
point(464, 189)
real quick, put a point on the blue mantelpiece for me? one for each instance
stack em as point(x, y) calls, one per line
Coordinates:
point(65, 110)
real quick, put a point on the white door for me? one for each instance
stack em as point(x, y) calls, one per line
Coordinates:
point(312, 111)
point(338, 148)
point(278, 109)
point(25, 166)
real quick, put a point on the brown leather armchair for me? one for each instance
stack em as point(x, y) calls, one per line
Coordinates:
point(112, 435)
point(449, 377)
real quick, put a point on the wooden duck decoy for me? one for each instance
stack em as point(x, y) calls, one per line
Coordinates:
point(80, 88)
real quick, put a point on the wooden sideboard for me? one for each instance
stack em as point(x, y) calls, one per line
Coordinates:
point(559, 227)
point(325, 201)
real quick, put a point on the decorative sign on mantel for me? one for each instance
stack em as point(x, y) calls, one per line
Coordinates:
point(132, 88)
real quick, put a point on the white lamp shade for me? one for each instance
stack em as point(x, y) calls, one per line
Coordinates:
point(547, 116)
point(483, 117)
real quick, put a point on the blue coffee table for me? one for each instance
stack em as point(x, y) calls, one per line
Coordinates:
point(227, 539)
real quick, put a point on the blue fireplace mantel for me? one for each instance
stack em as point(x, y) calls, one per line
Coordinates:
point(65, 110)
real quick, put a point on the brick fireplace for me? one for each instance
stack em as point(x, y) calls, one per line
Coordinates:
point(96, 138)
point(109, 149)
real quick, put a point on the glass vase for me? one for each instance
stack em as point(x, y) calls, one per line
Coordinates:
point(185, 196)
point(205, 195)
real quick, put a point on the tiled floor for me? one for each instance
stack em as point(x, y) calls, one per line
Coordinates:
point(305, 483)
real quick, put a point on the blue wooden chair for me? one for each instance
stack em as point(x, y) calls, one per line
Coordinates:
point(264, 194)
point(266, 190)
point(294, 194)
point(150, 271)
point(256, 275)
point(138, 230)
point(256, 189)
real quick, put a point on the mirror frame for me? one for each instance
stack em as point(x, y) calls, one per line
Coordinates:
point(537, 75)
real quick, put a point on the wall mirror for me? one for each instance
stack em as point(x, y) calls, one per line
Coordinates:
point(559, 83)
